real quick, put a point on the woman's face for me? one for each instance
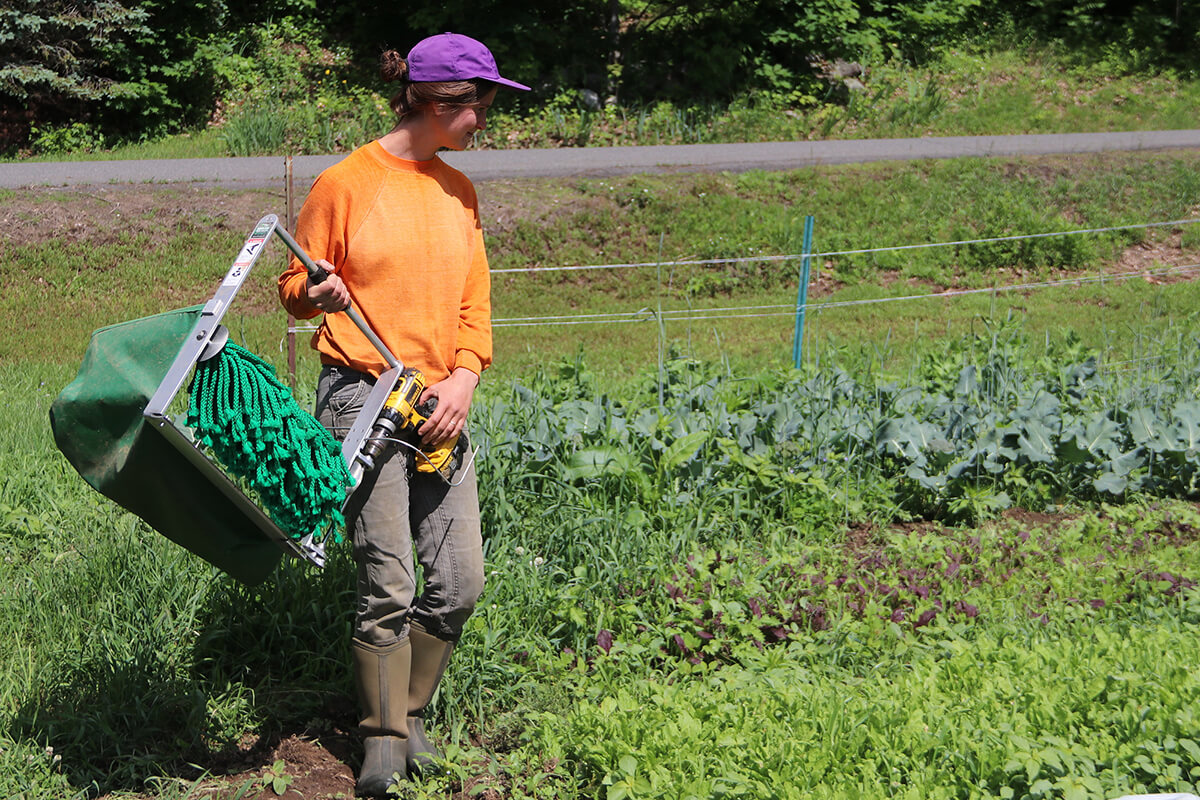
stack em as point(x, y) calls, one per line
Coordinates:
point(457, 124)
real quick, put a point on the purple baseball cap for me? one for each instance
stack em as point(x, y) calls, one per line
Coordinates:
point(454, 57)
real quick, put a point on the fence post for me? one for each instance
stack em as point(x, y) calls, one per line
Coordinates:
point(802, 292)
point(291, 228)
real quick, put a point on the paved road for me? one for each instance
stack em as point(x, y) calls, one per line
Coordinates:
point(485, 165)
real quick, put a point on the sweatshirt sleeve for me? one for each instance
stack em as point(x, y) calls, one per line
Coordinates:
point(320, 231)
point(474, 350)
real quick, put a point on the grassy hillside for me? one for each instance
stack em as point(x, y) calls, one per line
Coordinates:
point(115, 253)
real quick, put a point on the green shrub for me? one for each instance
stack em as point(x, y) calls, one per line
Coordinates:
point(77, 137)
point(296, 95)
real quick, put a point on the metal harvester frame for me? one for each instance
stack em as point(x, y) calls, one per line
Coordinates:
point(151, 464)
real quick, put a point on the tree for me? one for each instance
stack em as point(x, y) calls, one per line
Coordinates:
point(56, 59)
point(133, 69)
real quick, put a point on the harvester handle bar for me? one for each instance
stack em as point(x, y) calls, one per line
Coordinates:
point(319, 275)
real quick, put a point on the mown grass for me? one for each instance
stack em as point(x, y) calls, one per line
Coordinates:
point(205, 143)
point(540, 225)
point(666, 219)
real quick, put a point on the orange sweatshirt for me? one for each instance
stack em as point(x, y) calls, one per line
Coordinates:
point(405, 238)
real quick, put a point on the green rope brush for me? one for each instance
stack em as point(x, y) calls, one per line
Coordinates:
point(257, 430)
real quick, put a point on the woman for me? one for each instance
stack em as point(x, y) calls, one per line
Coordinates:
point(399, 232)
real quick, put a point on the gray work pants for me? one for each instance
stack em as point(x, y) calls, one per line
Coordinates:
point(395, 508)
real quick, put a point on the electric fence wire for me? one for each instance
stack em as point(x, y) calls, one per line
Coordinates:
point(781, 309)
point(750, 312)
point(796, 256)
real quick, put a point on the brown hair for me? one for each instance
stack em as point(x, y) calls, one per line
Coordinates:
point(419, 95)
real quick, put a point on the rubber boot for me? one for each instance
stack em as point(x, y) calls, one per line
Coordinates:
point(430, 655)
point(382, 677)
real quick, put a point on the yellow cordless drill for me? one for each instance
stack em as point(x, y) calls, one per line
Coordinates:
point(402, 418)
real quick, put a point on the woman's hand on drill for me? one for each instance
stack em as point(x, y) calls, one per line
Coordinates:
point(454, 395)
point(330, 295)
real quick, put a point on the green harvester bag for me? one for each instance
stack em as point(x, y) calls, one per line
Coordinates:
point(99, 426)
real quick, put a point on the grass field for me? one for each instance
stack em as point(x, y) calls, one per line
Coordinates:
point(149, 250)
point(955, 555)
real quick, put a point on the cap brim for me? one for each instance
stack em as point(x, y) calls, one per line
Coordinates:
point(510, 84)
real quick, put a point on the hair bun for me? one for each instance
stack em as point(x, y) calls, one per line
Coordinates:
point(392, 66)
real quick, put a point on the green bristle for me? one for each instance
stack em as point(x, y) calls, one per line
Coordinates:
point(256, 429)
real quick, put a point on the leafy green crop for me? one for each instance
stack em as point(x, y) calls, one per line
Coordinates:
point(977, 431)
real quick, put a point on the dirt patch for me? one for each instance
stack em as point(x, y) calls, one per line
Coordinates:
point(310, 765)
point(309, 768)
point(504, 203)
point(306, 768)
point(1158, 262)
point(862, 539)
point(98, 215)
point(1033, 519)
